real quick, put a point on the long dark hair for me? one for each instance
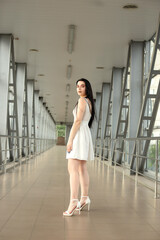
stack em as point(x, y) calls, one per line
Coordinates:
point(89, 94)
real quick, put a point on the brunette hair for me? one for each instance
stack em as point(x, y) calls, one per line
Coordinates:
point(89, 94)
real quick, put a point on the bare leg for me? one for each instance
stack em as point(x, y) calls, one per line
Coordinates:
point(84, 180)
point(73, 167)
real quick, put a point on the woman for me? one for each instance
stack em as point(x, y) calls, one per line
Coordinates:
point(80, 147)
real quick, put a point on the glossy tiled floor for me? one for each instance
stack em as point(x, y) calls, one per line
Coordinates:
point(33, 197)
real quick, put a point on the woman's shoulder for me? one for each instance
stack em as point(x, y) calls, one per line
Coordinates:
point(82, 101)
point(89, 101)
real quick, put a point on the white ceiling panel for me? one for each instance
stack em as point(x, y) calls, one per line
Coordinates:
point(103, 31)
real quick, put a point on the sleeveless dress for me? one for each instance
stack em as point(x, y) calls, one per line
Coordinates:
point(82, 148)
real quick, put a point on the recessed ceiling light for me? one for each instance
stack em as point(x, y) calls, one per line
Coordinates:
point(68, 87)
point(100, 67)
point(40, 75)
point(130, 6)
point(71, 36)
point(69, 71)
point(33, 50)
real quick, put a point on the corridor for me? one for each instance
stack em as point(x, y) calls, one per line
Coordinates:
point(34, 196)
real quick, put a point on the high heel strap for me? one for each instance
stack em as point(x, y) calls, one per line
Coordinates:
point(66, 213)
point(78, 207)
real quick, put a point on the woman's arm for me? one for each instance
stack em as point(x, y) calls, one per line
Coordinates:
point(79, 117)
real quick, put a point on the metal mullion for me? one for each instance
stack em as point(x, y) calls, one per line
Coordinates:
point(108, 117)
point(144, 104)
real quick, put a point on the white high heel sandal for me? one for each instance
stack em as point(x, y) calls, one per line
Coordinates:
point(87, 202)
point(66, 213)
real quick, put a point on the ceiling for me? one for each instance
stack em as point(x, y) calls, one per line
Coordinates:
point(103, 31)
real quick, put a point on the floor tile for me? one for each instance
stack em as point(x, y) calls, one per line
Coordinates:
point(34, 196)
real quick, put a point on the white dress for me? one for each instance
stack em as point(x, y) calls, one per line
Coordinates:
point(82, 147)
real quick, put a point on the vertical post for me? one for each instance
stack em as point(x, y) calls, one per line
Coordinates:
point(14, 150)
point(103, 145)
point(124, 156)
point(137, 160)
point(5, 158)
point(26, 148)
point(156, 171)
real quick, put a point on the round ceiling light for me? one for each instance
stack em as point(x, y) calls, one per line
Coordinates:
point(41, 75)
point(100, 67)
point(130, 6)
point(33, 50)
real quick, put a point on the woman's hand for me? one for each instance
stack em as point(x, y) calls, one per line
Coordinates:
point(69, 146)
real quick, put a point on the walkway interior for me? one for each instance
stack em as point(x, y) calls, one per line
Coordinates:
point(34, 195)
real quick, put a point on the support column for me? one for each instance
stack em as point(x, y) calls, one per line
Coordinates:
point(97, 112)
point(40, 122)
point(5, 54)
point(37, 120)
point(105, 100)
point(116, 101)
point(20, 84)
point(30, 90)
point(146, 74)
point(136, 90)
point(37, 113)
